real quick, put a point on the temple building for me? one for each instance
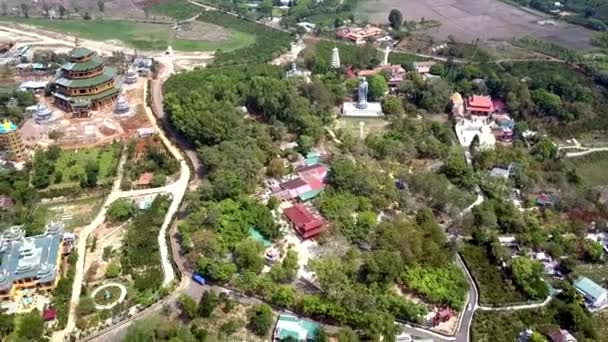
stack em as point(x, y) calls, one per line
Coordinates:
point(30, 264)
point(42, 114)
point(122, 108)
point(479, 105)
point(85, 83)
point(10, 141)
point(131, 75)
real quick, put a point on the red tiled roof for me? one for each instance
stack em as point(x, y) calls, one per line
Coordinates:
point(145, 178)
point(478, 103)
point(49, 314)
point(304, 221)
point(315, 184)
point(365, 73)
point(293, 184)
point(6, 202)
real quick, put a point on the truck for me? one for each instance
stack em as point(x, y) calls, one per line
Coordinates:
point(198, 278)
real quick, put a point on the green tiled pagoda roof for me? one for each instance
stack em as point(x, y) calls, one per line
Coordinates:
point(82, 100)
point(80, 52)
point(93, 63)
point(107, 75)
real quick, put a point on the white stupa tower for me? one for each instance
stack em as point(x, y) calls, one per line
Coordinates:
point(335, 58)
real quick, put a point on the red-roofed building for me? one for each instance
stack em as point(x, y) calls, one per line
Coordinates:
point(304, 222)
point(49, 314)
point(443, 315)
point(318, 171)
point(395, 72)
point(359, 35)
point(294, 187)
point(6, 203)
point(145, 179)
point(479, 105)
point(561, 335)
point(350, 72)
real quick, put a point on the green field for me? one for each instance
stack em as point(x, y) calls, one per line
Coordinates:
point(75, 213)
point(71, 164)
point(176, 9)
point(352, 126)
point(595, 272)
point(592, 168)
point(143, 36)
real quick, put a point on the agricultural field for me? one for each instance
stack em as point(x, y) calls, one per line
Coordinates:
point(194, 36)
point(468, 20)
point(75, 213)
point(592, 168)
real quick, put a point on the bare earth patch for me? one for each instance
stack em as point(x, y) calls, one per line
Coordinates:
point(468, 20)
point(197, 30)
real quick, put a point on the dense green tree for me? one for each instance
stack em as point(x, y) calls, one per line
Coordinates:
point(86, 306)
point(527, 274)
point(207, 304)
point(377, 87)
point(188, 306)
point(30, 326)
point(121, 210)
point(395, 18)
point(594, 251)
point(260, 319)
point(392, 105)
point(249, 256)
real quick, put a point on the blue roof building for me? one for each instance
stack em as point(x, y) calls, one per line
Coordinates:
point(29, 263)
point(594, 295)
point(295, 329)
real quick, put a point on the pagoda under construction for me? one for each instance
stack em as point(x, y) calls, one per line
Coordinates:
point(85, 83)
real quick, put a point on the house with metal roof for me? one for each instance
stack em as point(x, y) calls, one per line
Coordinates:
point(595, 295)
point(29, 264)
point(305, 223)
point(292, 328)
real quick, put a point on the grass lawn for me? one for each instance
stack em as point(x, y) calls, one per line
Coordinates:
point(71, 164)
point(494, 288)
point(592, 168)
point(144, 36)
point(277, 12)
point(352, 126)
point(602, 328)
point(595, 272)
point(113, 291)
point(75, 213)
point(178, 9)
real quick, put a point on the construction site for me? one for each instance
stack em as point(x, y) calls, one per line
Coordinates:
point(80, 103)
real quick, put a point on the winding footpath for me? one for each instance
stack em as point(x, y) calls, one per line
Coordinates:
point(177, 191)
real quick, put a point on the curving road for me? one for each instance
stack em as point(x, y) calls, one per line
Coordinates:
point(177, 190)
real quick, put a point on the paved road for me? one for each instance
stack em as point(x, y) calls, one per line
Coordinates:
point(586, 152)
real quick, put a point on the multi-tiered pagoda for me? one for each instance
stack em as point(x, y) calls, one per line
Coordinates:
point(85, 83)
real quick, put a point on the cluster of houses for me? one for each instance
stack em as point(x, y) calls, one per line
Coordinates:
point(482, 118)
point(554, 335)
point(297, 190)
